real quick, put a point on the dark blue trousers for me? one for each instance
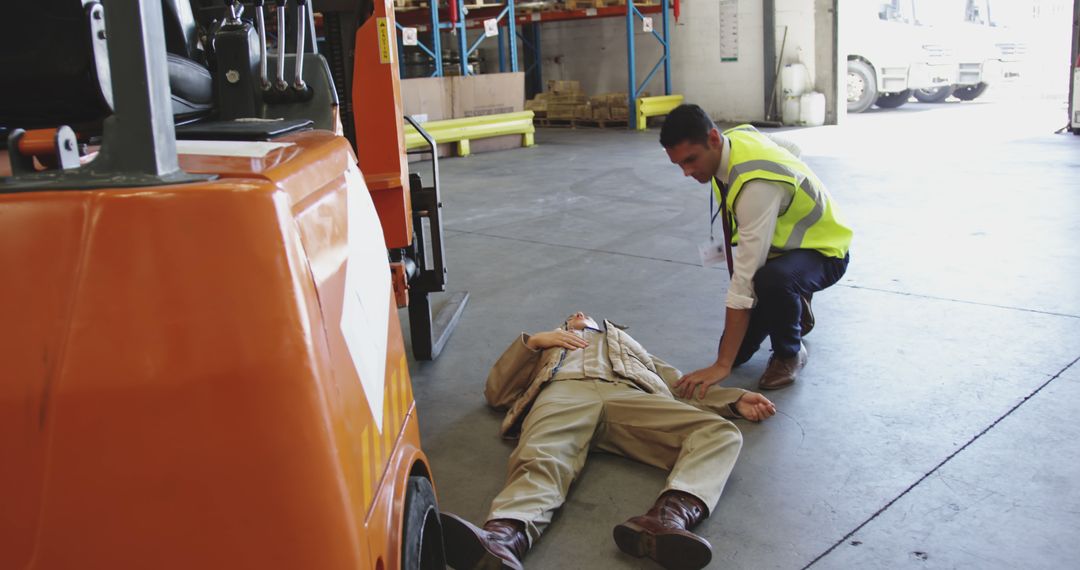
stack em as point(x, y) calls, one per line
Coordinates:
point(778, 285)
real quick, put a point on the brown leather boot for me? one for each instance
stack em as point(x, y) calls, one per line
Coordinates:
point(806, 321)
point(498, 546)
point(782, 370)
point(663, 533)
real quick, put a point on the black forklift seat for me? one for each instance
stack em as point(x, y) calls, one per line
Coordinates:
point(49, 75)
point(192, 87)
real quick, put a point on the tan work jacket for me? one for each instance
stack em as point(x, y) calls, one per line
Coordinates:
point(521, 373)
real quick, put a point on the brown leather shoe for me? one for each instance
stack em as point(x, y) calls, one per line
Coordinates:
point(498, 546)
point(663, 533)
point(806, 322)
point(782, 370)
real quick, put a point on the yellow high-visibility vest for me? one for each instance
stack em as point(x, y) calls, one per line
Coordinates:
point(810, 222)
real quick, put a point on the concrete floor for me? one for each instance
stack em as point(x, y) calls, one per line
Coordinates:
point(934, 426)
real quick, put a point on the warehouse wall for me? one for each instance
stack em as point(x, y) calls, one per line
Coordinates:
point(594, 53)
point(727, 90)
point(830, 63)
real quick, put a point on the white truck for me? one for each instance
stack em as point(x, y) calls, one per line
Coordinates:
point(892, 52)
point(984, 35)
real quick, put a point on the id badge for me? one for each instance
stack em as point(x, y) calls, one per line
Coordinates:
point(712, 253)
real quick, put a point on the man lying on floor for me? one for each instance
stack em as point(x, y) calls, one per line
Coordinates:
point(584, 387)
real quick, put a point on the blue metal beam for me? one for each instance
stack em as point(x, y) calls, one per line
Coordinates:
point(508, 13)
point(434, 52)
point(436, 39)
point(631, 61)
point(512, 36)
point(632, 14)
point(463, 47)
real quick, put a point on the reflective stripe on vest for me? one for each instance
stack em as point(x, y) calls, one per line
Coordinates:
point(810, 221)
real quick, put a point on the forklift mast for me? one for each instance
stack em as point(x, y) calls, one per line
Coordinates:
point(410, 210)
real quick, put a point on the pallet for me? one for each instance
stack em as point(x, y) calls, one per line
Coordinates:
point(602, 123)
point(554, 123)
point(580, 123)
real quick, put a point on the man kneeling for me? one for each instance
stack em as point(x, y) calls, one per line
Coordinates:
point(580, 388)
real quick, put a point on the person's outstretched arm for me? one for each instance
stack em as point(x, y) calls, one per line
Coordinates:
point(756, 209)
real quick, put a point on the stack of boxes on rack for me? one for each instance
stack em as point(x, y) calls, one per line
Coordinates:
point(585, 4)
point(528, 6)
point(564, 104)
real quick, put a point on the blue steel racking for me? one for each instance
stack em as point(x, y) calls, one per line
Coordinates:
point(504, 13)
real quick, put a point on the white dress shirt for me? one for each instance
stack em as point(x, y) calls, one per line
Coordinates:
point(589, 362)
point(759, 204)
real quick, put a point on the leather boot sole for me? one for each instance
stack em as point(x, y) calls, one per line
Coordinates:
point(673, 551)
point(775, 385)
point(464, 549)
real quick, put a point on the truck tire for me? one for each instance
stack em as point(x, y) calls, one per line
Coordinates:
point(861, 86)
point(893, 100)
point(421, 536)
point(970, 92)
point(935, 95)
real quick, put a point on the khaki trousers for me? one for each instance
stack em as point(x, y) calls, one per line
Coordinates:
point(570, 417)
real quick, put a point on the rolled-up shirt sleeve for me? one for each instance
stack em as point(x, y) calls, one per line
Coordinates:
point(756, 209)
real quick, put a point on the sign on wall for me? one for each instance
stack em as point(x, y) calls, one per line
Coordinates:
point(729, 30)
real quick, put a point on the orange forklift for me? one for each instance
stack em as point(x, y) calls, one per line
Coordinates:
point(201, 362)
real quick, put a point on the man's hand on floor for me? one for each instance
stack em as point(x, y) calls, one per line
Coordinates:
point(755, 407)
point(557, 337)
point(696, 383)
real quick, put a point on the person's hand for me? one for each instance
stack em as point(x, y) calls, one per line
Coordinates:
point(755, 407)
point(699, 381)
point(557, 337)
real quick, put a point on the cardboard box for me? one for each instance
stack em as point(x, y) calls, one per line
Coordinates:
point(427, 96)
point(487, 94)
point(463, 96)
point(466, 96)
point(575, 99)
point(537, 105)
point(561, 110)
point(564, 87)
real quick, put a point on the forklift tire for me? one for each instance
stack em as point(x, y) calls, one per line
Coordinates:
point(935, 95)
point(893, 100)
point(421, 537)
point(970, 92)
point(861, 86)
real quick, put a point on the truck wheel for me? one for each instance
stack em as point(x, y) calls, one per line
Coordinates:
point(861, 86)
point(421, 540)
point(893, 100)
point(970, 92)
point(935, 95)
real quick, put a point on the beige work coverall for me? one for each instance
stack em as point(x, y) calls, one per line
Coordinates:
point(629, 412)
